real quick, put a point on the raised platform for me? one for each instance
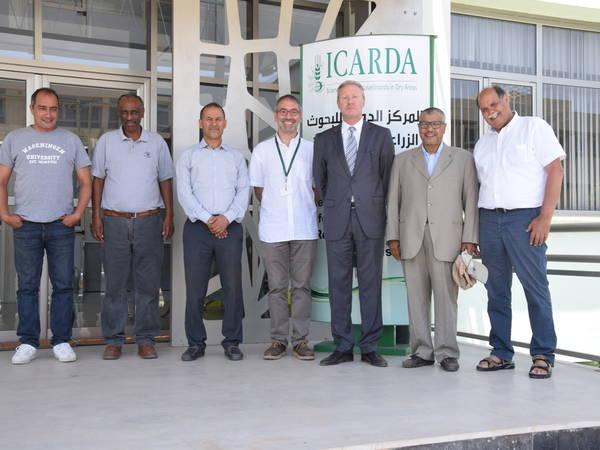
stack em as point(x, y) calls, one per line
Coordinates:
point(213, 403)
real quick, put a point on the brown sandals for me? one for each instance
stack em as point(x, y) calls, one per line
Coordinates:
point(547, 368)
point(495, 365)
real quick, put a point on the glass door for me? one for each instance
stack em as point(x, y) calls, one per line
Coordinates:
point(88, 108)
point(15, 89)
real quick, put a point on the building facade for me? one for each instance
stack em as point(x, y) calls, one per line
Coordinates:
point(179, 55)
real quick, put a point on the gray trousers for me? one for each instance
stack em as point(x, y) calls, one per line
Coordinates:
point(289, 261)
point(132, 246)
point(424, 274)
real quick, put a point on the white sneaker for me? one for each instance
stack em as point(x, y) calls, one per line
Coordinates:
point(24, 354)
point(64, 353)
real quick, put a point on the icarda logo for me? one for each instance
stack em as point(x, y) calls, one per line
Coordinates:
point(317, 84)
point(387, 62)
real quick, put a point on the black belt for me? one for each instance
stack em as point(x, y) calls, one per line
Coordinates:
point(352, 205)
point(504, 210)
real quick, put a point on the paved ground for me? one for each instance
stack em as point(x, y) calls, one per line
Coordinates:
point(213, 403)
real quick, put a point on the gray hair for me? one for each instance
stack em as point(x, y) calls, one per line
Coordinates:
point(433, 110)
point(350, 83)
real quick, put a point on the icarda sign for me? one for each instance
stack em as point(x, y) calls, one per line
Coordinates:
point(368, 61)
point(395, 71)
point(396, 74)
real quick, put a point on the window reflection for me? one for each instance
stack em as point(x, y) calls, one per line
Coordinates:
point(164, 41)
point(110, 33)
point(16, 28)
point(213, 22)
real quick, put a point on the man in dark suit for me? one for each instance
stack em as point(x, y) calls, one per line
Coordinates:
point(351, 167)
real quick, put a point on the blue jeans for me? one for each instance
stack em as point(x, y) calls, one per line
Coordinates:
point(132, 246)
point(30, 242)
point(504, 245)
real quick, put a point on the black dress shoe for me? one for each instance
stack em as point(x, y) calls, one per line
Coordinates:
point(192, 353)
point(336, 358)
point(449, 364)
point(234, 353)
point(374, 358)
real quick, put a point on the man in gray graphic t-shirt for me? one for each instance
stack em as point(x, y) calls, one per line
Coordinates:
point(43, 158)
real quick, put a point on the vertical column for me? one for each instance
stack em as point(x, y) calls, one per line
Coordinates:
point(430, 17)
point(186, 107)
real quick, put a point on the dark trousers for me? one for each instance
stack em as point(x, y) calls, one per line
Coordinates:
point(132, 246)
point(30, 242)
point(504, 245)
point(369, 260)
point(200, 249)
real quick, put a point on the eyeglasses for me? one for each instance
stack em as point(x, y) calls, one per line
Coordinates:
point(435, 125)
point(285, 112)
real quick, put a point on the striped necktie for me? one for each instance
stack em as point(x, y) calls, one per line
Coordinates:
point(351, 149)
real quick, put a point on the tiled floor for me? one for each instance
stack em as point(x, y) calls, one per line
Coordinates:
point(213, 403)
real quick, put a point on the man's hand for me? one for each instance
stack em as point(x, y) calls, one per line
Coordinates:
point(13, 221)
point(97, 229)
point(218, 224)
point(70, 220)
point(470, 248)
point(222, 235)
point(538, 230)
point(394, 246)
point(167, 227)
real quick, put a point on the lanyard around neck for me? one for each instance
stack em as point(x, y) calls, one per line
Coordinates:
point(289, 168)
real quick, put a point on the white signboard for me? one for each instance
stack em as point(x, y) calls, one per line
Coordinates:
point(396, 72)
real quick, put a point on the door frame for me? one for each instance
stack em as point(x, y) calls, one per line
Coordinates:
point(141, 85)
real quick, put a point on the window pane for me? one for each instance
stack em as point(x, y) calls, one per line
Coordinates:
point(492, 44)
point(13, 103)
point(268, 20)
point(571, 54)
point(574, 114)
point(16, 28)
point(245, 20)
point(164, 45)
point(109, 33)
point(164, 113)
point(305, 25)
point(521, 97)
point(465, 114)
point(213, 22)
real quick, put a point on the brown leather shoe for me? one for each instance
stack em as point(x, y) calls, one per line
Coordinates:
point(303, 351)
point(147, 351)
point(275, 351)
point(112, 352)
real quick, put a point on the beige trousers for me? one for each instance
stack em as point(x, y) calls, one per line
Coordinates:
point(426, 275)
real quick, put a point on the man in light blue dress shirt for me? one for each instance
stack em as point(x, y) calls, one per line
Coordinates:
point(213, 189)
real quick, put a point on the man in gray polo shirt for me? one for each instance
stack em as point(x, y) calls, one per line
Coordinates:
point(43, 158)
point(132, 181)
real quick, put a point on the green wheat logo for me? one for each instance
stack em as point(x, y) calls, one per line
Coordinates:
point(318, 85)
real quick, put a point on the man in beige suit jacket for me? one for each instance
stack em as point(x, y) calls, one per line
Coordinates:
point(431, 217)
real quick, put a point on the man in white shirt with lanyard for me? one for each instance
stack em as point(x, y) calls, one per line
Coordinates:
point(519, 167)
point(281, 173)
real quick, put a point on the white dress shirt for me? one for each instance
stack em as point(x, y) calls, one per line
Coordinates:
point(357, 130)
point(510, 163)
point(285, 215)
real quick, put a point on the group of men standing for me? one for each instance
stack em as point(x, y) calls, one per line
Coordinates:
point(428, 203)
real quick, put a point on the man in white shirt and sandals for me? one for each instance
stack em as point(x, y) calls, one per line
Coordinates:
point(281, 173)
point(520, 173)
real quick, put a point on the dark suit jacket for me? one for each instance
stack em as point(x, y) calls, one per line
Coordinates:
point(368, 184)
